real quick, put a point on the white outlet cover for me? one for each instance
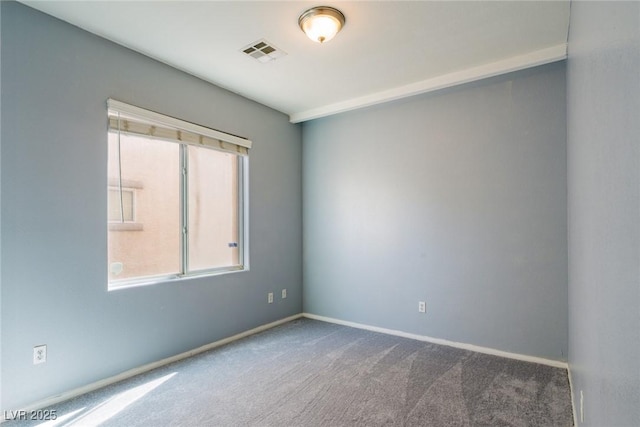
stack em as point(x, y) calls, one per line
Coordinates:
point(39, 354)
point(270, 297)
point(284, 293)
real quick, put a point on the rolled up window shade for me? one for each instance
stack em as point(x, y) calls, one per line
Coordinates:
point(128, 119)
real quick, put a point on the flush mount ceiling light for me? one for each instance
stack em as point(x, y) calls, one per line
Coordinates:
point(321, 23)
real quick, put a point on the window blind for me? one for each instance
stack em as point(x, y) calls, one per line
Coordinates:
point(132, 120)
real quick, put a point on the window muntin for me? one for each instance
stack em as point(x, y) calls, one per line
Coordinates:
point(190, 200)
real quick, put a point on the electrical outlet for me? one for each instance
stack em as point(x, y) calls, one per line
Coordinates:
point(284, 293)
point(39, 354)
point(581, 407)
point(270, 297)
point(422, 306)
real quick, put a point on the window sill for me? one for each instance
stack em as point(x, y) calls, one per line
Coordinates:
point(134, 283)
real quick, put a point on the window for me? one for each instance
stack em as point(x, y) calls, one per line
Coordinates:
point(176, 198)
point(121, 205)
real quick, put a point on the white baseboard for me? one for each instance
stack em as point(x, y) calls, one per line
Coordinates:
point(52, 400)
point(148, 367)
point(573, 404)
point(471, 347)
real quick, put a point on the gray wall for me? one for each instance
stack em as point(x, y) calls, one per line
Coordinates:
point(456, 198)
point(603, 143)
point(55, 82)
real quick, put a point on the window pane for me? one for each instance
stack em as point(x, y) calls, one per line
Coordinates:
point(213, 209)
point(155, 248)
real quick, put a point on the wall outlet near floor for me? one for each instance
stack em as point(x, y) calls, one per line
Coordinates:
point(39, 354)
point(270, 297)
point(422, 306)
point(284, 293)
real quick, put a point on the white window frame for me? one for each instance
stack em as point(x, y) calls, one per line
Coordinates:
point(227, 143)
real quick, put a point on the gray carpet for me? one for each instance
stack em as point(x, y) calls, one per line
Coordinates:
point(311, 373)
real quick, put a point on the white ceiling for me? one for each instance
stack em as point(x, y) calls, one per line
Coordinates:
point(387, 49)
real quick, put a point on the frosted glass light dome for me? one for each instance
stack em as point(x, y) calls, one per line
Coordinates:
point(321, 23)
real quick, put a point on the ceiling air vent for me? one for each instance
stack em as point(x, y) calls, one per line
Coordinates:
point(263, 51)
